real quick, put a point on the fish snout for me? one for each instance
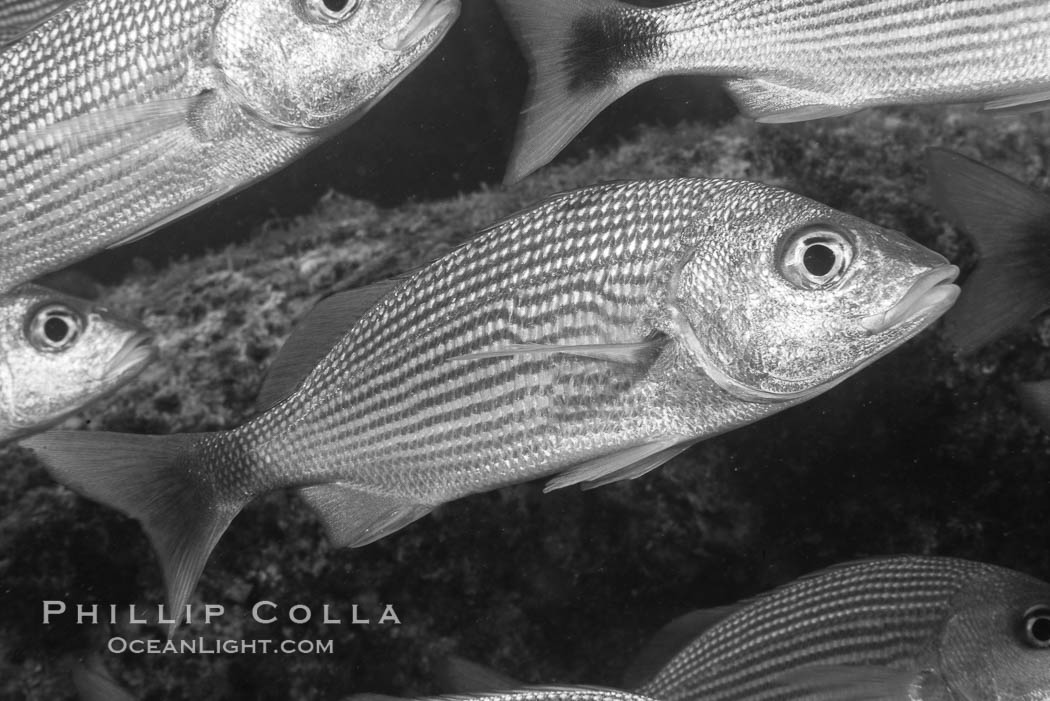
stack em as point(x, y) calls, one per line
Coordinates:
point(930, 295)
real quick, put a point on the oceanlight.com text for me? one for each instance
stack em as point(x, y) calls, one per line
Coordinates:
point(210, 646)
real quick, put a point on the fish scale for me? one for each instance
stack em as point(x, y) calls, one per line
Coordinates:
point(580, 340)
point(884, 612)
point(119, 116)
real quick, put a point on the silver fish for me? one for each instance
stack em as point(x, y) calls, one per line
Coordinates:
point(589, 339)
point(898, 629)
point(1009, 224)
point(782, 60)
point(118, 116)
point(58, 353)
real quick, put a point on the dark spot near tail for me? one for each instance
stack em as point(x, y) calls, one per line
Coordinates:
point(606, 43)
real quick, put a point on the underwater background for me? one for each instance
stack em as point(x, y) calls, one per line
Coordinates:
point(923, 452)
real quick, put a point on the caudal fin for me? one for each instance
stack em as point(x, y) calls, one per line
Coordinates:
point(577, 52)
point(155, 479)
point(1010, 226)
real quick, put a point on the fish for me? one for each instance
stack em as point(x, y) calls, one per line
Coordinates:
point(900, 628)
point(587, 339)
point(59, 353)
point(905, 628)
point(118, 116)
point(780, 60)
point(1009, 224)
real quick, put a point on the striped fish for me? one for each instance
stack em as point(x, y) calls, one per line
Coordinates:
point(119, 116)
point(899, 629)
point(588, 339)
point(782, 60)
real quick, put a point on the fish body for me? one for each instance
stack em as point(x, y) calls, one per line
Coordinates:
point(781, 61)
point(58, 353)
point(899, 629)
point(1009, 224)
point(588, 339)
point(118, 116)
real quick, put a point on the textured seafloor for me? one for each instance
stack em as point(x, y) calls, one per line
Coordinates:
point(921, 453)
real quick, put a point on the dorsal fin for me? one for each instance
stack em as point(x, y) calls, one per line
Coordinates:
point(314, 336)
point(672, 639)
point(460, 676)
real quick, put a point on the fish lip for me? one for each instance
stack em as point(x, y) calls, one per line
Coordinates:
point(428, 17)
point(930, 296)
point(134, 355)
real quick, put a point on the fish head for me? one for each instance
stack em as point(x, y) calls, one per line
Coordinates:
point(58, 353)
point(786, 297)
point(995, 643)
point(311, 65)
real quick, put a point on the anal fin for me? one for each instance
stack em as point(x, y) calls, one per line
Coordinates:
point(629, 463)
point(353, 517)
point(774, 103)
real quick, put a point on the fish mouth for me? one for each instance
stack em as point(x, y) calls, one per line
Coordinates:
point(428, 17)
point(133, 356)
point(930, 295)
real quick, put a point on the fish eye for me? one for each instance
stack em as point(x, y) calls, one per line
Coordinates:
point(1037, 627)
point(815, 257)
point(54, 328)
point(329, 11)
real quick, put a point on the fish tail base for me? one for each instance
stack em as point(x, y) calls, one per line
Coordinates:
point(158, 480)
point(580, 54)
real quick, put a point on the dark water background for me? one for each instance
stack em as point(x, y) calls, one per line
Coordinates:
point(922, 453)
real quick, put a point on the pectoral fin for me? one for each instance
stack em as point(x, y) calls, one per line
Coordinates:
point(629, 463)
point(854, 683)
point(1021, 103)
point(353, 517)
point(132, 123)
point(773, 103)
point(643, 352)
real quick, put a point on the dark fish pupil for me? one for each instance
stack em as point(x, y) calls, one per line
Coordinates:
point(56, 329)
point(336, 5)
point(1040, 629)
point(818, 259)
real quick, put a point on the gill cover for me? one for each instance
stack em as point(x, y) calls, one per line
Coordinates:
point(786, 306)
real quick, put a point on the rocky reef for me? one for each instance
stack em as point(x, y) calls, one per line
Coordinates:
point(923, 452)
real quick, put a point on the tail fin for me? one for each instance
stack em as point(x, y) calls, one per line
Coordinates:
point(576, 50)
point(1010, 226)
point(155, 479)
